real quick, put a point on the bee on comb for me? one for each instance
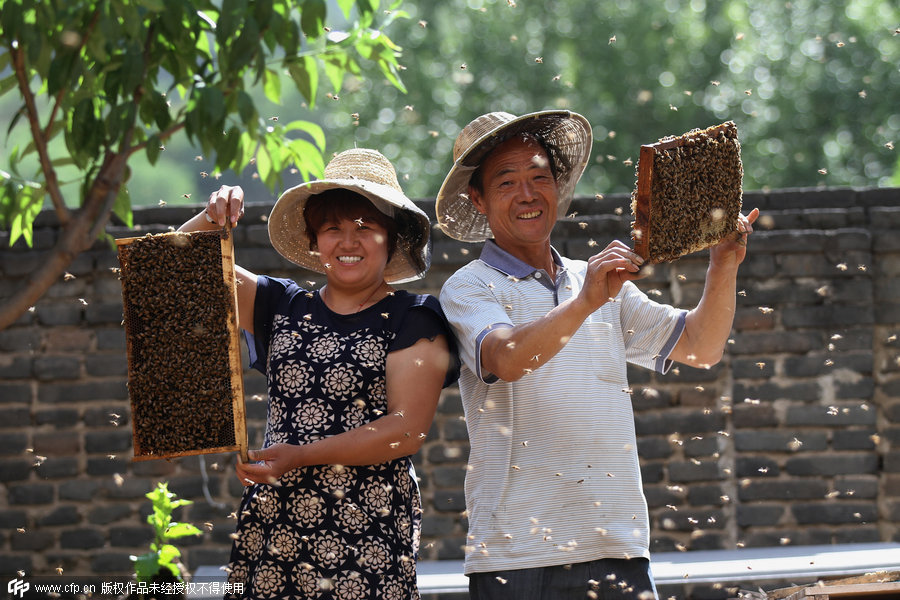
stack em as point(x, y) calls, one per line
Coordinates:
point(184, 366)
point(688, 193)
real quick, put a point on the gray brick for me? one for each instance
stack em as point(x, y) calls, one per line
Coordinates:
point(16, 562)
point(16, 367)
point(829, 416)
point(661, 495)
point(862, 486)
point(78, 392)
point(78, 490)
point(32, 541)
point(58, 314)
point(454, 501)
point(778, 441)
point(49, 368)
point(834, 513)
point(61, 417)
point(110, 338)
point(853, 439)
point(835, 464)
point(13, 519)
point(684, 422)
point(15, 393)
point(653, 472)
point(107, 442)
point(112, 415)
point(109, 513)
point(82, 539)
point(756, 466)
point(31, 493)
point(57, 443)
point(130, 536)
point(58, 467)
point(857, 535)
point(754, 416)
point(699, 446)
point(61, 515)
point(19, 339)
point(706, 495)
point(752, 368)
point(759, 515)
point(654, 447)
point(767, 343)
point(689, 520)
point(796, 489)
point(16, 469)
point(454, 430)
point(449, 477)
point(804, 391)
point(105, 365)
point(102, 313)
point(691, 471)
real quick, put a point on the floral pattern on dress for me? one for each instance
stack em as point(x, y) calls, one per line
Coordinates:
point(328, 532)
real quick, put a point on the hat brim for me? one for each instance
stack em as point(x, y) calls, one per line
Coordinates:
point(569, 132)
point(412, 256)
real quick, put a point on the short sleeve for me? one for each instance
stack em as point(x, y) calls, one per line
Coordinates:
point(425, 319)
point(270, 293)
point(653, 328)
point(473, 311)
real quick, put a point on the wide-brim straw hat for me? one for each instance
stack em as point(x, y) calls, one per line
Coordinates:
point(369, 173)
point(568, 132)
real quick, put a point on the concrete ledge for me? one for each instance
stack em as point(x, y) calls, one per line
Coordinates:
point(795, 563)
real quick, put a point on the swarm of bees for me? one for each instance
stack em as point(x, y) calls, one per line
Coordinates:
point(688, 193)
point(177, 307)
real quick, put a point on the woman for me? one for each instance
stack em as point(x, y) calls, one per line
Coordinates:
point(331, 508)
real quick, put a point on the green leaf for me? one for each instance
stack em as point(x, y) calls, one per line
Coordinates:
point(145, 566)
point(336, 66)
point(307, 158)
point(272, 86)
point(305, 73)
point(264, 164)
point(346, 6)
point(246, 108)
point(312, 18)
point(22, 218)
point(313, 129)
point(177, 530)
point(122, 207)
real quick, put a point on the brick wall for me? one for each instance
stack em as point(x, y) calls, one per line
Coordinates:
point(793, 439)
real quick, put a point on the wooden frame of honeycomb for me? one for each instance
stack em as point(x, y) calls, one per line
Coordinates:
point(185, 379)
point(688, 193)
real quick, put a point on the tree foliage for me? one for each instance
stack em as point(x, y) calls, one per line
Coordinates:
point(100, 81)
point(812, 84)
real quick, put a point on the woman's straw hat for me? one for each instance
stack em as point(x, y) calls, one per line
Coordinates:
point(369, 173)
point(567, 134)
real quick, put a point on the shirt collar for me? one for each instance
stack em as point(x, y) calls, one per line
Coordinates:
point(500, 259)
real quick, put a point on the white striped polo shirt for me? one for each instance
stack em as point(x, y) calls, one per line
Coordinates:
point(553, 472)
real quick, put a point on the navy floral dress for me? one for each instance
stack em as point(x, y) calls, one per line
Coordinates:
point(330, 531)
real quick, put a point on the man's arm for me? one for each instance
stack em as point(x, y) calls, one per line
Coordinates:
point(708, 326)
point(510, 353)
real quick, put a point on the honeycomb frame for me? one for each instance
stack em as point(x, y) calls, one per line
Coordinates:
point(218, 391)
point(688, 193)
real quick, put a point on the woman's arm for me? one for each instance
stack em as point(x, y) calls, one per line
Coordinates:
point(228, 202)
point(414, 378)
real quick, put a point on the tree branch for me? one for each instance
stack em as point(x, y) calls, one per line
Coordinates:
point(52, 182)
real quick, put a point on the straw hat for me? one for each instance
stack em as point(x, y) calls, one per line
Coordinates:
point(369, 173)
point(567, 132)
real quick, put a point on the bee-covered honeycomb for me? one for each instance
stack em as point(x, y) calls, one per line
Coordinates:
point(177, 309)
point(688, 193)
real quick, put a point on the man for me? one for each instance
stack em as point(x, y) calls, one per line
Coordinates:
point(554, 497)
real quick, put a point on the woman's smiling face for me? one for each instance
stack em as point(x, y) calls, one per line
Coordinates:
point(353, 251)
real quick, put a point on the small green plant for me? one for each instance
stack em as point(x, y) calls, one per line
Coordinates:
point(162, 560)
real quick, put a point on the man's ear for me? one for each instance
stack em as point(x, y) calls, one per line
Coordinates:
point(477, 200)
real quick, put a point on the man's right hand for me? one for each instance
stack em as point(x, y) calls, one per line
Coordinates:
point(608, 271)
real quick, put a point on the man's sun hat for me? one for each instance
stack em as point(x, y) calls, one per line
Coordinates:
point(567, 134)
point(369, 173)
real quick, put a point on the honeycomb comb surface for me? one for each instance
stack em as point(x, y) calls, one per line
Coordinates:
point(688, 193)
